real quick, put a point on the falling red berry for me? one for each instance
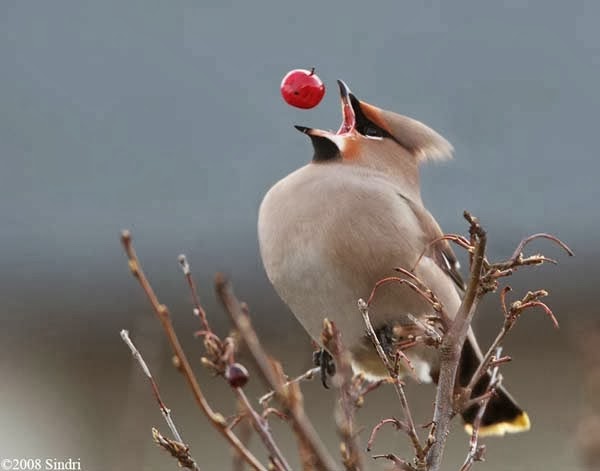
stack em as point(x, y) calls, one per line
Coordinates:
point(302, 88)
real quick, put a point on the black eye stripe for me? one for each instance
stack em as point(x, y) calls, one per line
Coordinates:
point(364, 125)
point(372, 131)
point(368, 128)
point(325, 150)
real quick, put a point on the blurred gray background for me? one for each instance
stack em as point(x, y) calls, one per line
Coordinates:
point(166, 118)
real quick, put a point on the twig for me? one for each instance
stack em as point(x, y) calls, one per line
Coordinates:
point(349, 392)
point(198, 309)
point(398, 387)
point(398, 424)
point(428, 330)
point(166, 412)
point(488, 358)
point(497, 270)
point(245, 435)
point(451, 347)
point(475, 451)
point(519, 250)
point(399, 463)
point(456, 238)
point(178, 450)
point(511, 315)
point(306, 376)
point(262, 429)
point(276, 412)
point(216, 419)
point(299, 421)
point(415, 284)
point(235, 374)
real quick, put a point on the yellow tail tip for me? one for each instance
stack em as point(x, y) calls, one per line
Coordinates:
point(521, 423)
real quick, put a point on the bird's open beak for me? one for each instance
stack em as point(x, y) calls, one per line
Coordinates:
point(348, 117)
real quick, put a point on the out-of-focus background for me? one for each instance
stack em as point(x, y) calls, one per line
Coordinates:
point(165, 118)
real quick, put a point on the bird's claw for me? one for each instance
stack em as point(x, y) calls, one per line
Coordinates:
point(323, 359)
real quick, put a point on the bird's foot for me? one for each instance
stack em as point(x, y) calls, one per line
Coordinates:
point(387, 338)
point(323, 359)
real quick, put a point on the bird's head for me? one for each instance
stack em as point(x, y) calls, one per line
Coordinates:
point(372, 137)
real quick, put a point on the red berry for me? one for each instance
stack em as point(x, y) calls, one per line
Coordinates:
point(302, 88)
point(237, 375)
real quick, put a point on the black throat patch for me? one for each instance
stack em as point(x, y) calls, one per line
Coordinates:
point(325, 150)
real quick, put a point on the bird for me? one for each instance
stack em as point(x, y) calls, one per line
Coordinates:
point(331, 229)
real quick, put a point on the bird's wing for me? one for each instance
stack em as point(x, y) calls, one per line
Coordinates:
point(440, 252)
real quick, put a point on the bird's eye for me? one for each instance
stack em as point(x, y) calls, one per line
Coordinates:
point(371, 131)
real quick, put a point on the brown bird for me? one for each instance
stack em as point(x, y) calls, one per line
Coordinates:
point(331, 229)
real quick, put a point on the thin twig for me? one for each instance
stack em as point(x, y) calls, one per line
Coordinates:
point(456, 238)
point(300, 422)
point(426, 295)
point(398, 424)
point(488, 358)
point(399, 463)
point(428, 330)
point(476, 451)
point(331, 339)
point(198, 309)
point(216, 419)
point(276, 412)
point(519, 250)
point(398, 387)
point(179, 451)
point(262, 429)
point(166, 412)
point(511, 314)
point(306, 376)
point(244, 431)
point(259, 423)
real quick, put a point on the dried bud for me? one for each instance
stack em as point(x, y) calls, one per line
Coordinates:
point(185, 266)
point(360, 401)
point(236, 375)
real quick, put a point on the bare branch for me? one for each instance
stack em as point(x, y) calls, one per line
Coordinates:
point(306, 376)
point(399, 388)
point(428, 330)
point(452, 346)
point(399, 463)
point(216, 419)
point(457, 239)
point(289, 397)
point(415, 284)
point(398, 424)
point(186, 460)
point(245, 434)
point(475, 451)
point(437, 330)
point(222, 353)
point(519, 250)
point(178, 450)
point(262, 429)
point(198, 309)
point(348, 391)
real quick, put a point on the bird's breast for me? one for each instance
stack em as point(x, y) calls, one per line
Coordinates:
point(326, 240)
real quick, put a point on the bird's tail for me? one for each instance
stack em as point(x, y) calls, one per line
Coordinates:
point(503, 414)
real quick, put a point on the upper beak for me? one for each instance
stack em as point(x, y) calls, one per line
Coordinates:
point(348, 116)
